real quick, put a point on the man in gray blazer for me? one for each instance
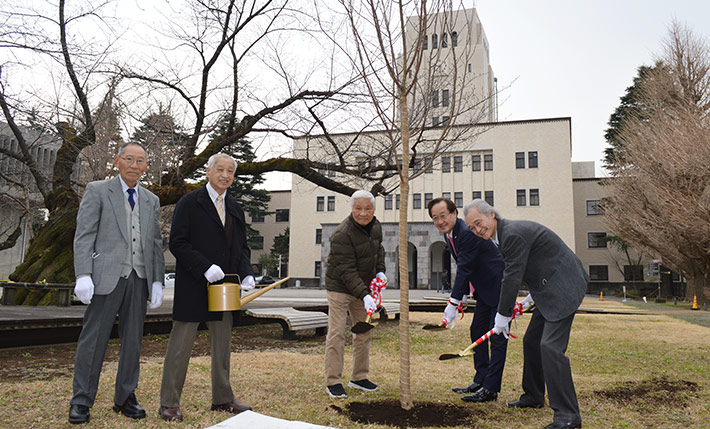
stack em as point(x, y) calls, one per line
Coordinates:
point(557, 281)
point(118, 263)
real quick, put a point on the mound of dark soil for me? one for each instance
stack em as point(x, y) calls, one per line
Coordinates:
point(654, 392)
point(423, 414)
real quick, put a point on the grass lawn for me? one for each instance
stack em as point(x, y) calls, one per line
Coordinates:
point(646, 370)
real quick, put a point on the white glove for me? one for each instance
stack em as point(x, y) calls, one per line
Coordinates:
point(527, 302)
point(214, 273)
point(382, 276)
point(248, 283)
point(370, 304)
point(451, 313)
point(84, 288)
point(464, 300)
point(501, 325)
point(156, 295)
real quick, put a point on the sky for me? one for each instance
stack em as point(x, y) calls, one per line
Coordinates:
point(575, 58)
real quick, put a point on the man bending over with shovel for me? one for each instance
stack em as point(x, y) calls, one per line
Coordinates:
point(479, 266)
point(356, 257)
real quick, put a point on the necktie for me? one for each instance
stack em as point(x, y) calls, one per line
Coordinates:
point(131, 201)
point(220, 208)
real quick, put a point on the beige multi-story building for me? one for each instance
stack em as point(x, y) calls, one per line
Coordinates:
point(269, 227)
point(521, 167)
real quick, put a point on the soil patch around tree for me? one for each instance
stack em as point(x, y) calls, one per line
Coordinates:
point(423, 414)
point(653, 392)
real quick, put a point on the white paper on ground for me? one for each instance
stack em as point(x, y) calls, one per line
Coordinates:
point(252, 420)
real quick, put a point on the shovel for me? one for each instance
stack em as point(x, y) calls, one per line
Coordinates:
point(468, 351)
point(362, 327)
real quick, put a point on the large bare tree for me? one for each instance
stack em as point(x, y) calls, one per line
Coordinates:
point(659, 200)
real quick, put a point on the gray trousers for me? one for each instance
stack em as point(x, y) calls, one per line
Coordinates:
point(177, 358)
point(128, 300)
point(545, 364)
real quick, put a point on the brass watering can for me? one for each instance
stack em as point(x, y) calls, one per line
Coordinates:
point(227, 296)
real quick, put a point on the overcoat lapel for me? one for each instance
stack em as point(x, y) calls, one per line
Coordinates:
point(203, 198)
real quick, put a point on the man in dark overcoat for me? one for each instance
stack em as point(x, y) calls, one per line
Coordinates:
point(208, 239)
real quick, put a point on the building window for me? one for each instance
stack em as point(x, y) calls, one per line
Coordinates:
point(320, 204)
point(396, 202)
point(319, 235)
point(476, 162)
point(445, 40)
point(532, 159)
point(434, 41)
point(281, 215)
point(445, 164)
point(446, 195)
point(520, 197)
point(388, 202)
point(427, 199)
point(458, 199)
point(534, 197)
point(434, 121)
point(429, 164)
point(331, 203)
point(444, 120)
point(593, 208)
point(258, 217)
point(596, 239)
point(445, 97)
point(599, 273)
point(454, 39)
point(476, 195)
point(316, 271)
point(417, 203)
point(489, 198)
point(633, 272)
point(519, 159)
point(458, 164)
point(426, 42)
point(435, 98)
point(488, 162)
point(256, 243)
point(469, 67)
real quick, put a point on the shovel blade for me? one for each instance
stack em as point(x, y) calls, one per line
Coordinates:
point(431, 327)
point(447, 356)
point(361, 327)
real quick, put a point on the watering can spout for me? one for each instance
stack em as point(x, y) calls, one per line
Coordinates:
point(252, 296)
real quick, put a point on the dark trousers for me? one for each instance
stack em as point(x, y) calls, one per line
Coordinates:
point(545, 364)
point(489, 368)
point(128, 300)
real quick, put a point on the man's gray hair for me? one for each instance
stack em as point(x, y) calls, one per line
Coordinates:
point(123, 147)
point(362, 194)
point(482, 206)
point(213, 160)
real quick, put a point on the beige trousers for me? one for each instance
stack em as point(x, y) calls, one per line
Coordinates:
point(177, 358)
point(339, 304)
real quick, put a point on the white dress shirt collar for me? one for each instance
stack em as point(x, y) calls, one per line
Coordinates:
point(126, 187)
point(213, 194)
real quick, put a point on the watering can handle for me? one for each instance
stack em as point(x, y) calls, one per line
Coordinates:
point(240, 279)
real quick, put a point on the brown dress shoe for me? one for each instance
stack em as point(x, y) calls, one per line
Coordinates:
point(170, 414)
point(234, 407)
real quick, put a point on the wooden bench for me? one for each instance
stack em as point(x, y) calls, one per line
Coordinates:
point(293, 320)
point(389, 309)
point(63, 291)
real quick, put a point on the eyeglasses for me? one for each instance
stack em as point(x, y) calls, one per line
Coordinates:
point(130, 160)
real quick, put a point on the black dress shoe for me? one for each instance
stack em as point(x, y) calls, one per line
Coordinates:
point(564, 425)
point(524, 403)
point(482, 395)
point(78, 414)
point(471, 388)
point(130, 408)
